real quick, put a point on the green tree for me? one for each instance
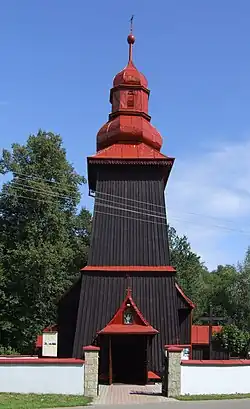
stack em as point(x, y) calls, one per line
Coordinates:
point(190, 270)
point(220, 285)
point(234, 340)
point(43, 238)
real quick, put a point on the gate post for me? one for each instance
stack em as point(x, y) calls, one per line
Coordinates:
point(172, 374)
point(91, 388)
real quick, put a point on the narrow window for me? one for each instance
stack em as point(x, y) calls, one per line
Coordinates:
point(131, 99)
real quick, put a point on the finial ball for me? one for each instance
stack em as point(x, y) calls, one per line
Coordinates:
point(131, 39)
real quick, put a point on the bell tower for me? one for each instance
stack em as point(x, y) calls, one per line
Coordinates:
point(126, 299)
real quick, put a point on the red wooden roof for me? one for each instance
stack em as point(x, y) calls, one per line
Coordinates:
point(188, 301)
point(130, 151)
point(140, 325)
point(200, 334)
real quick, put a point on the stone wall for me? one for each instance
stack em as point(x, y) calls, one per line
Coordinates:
point(173, 369)
point(91, 387)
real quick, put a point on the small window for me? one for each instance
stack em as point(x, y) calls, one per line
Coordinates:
point(128, 315)
point(131, 99)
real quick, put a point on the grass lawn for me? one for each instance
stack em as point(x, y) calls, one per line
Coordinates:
point(33, 401)
point(214, 397)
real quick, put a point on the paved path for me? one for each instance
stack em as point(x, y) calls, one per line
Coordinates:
point(129, 394)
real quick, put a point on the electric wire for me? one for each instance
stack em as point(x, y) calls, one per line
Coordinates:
point(30, 177)
point(134, 218)
point(18, 186)
point(159, 215)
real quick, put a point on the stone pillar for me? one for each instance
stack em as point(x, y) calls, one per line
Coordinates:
point(91, 367)
point(173, 369)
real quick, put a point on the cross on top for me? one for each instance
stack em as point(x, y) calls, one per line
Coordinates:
point(210, 319)
point(131, 23)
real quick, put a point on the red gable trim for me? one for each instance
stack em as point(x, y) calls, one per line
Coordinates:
point(145, 269)
point(141, 325)
point(189, 302)
point(200, 334)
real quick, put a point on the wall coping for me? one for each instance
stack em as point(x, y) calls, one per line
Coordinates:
point(41, 361)
point(90, 348)
point(229, 362)
point(178, 346)
point(173, 348)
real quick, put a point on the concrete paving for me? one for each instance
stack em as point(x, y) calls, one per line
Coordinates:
point(129, 394)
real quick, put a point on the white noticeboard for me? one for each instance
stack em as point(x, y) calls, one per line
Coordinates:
point(50, 341)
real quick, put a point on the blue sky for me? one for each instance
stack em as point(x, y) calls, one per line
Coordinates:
point(58, 59)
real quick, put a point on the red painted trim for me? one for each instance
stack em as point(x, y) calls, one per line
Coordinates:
point(115, 325)
point(41, 361)
point(191, 304)
point(19, 356)
point(173, 348)
point(178, 346)
point(130, 151)
point(130, 268)
point(229, 362)
point(152, 375)
point(91, 348)
point(128, 329)
point(200, 334)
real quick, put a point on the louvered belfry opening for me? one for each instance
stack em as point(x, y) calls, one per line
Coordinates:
point(129, 247)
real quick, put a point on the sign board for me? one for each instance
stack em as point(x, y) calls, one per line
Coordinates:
point(50, 341)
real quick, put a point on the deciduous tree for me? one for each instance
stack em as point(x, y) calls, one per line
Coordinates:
point(43, 238)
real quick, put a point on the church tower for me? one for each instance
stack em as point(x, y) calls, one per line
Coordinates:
point(127, 301)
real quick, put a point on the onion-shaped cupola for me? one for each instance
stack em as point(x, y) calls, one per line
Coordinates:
point(129, 121)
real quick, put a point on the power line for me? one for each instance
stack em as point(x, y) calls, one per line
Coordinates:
point(150, 214)
point(127, 217)
point(30, 177)
point(175, 218)
point(26, 197)
point(18, 186)
point(98, 199)
point(131, 200)
point(132, 211)
point(22, 179)
point(134, 218)
point(161, 206)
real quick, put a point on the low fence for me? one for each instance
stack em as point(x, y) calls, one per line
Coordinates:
point(199, 377)
point(42, 375)
point(215, 377)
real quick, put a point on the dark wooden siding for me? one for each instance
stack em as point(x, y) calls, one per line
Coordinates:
point(154, 294)
point(125, 232)
point(184, 314)
point(185, 326)
point(67, 317)
point(201, 352)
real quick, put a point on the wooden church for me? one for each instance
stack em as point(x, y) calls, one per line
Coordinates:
point(127, 300)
